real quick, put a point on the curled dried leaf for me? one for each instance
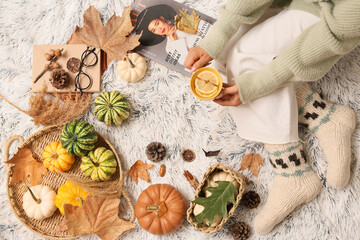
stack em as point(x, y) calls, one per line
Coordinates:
point(139, 169)
point(253, 162)
point(25, 166)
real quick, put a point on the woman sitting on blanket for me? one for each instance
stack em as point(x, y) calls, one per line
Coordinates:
point(299, 44)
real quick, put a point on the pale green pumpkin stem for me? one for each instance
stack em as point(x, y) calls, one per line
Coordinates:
point(96, 164)
point(80, 199)
point(132, 65)
point(37, 200)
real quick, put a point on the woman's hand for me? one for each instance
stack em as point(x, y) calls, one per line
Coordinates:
point(197, 58)
point(172, 34)
point(229, 96)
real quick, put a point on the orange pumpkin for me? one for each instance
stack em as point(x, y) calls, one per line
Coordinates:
point(160, 209)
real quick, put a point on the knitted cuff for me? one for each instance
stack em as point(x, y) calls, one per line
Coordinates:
point(253, 85)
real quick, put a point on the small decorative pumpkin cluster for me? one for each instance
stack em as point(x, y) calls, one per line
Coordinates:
point(78, 138)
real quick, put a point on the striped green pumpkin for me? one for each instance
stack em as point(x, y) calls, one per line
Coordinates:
point(111, 108)
point(78, 138)
point(99, 164)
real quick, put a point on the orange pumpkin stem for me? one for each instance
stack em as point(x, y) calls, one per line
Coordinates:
point(159, 209)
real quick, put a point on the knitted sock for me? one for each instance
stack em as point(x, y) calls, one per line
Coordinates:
point(333, 125)
point(294, 183)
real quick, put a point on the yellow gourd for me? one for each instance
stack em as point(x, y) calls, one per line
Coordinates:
point(38, 202)
point(132, 68)
point(57, 156)
point(69, 193)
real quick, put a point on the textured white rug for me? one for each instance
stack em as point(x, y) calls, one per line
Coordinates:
point(165, 110)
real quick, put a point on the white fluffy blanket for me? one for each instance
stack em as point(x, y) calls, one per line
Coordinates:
point(165, 110)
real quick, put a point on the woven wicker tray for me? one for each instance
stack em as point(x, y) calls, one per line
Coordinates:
point(199, 192)
point(36, 143)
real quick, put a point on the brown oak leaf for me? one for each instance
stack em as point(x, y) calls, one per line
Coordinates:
point(252, 161)
point(25, 166)
point(113, 37)
point(98, 215)
point(139, 169)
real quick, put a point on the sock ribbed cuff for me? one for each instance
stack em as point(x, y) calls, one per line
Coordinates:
point(288, 159)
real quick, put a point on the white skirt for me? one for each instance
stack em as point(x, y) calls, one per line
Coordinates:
point(273, 118)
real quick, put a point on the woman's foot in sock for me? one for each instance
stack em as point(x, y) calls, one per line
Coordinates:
point(333, 125)
point(294, 183)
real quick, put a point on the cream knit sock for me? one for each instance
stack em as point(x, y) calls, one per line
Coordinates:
point(333, 125)
point(295, 183)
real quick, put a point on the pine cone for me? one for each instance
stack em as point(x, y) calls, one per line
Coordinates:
point(240, 231)
point(250, 199)
point(59, 78)
point(155, 151)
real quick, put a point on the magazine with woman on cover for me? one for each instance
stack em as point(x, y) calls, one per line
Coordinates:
point(169, 29)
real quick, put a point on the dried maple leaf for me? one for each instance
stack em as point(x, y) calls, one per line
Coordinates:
point(139, 169)
point(252, 161)
point(112, 38)
point(98, 215)
point(25, 166)
point(186, 22)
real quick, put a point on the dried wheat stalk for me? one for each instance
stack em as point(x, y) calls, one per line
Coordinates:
point(49, 112)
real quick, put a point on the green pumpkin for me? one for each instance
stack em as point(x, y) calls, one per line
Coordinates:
point(99, 164)
point(78, 138)
point(111, 108)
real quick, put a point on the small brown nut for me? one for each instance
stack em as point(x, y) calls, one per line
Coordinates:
point(55, 65)
point(73, 64)
point(52, 52)
point(58, 52)
point(47, 66)
point(47, 56)
point(162, 170)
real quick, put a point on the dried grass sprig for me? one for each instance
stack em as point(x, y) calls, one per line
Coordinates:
point(49, 112)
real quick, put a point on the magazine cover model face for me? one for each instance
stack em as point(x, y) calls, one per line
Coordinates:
point(155, 24)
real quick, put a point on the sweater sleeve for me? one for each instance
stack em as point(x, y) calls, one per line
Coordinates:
point(234, 13)
point(311, 55)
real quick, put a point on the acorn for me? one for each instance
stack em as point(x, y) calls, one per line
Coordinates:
point(52, 52)
point(55, 65)
point(58, 52)
point(47, 56)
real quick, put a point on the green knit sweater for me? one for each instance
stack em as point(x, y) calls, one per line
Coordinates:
point(308, 58)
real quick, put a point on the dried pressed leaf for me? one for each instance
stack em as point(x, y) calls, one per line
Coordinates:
point(113, 37)
point(98, 215)
point(139, 169)
point(186, 22)
point(25, 166)
point(49, 112)
point(252, 161)
point(211, 153)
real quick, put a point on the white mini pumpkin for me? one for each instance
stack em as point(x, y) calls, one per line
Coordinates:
point(41, 204)
point(132, 68)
